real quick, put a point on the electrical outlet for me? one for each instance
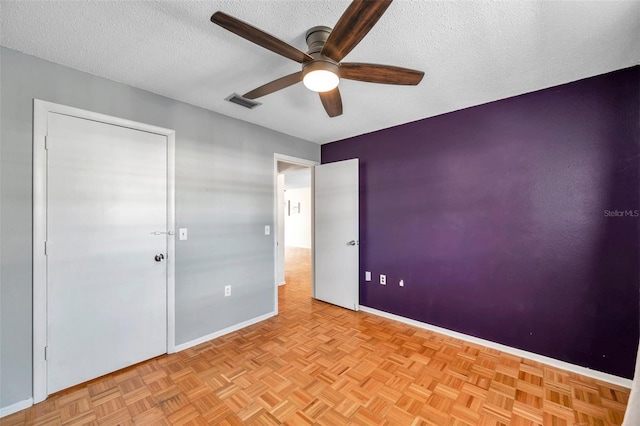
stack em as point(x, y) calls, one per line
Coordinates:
point(227, 290)
point(401, 283)
point(383, 279)
point(367, 275)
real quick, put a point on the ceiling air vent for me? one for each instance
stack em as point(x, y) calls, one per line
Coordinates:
point(247, 103)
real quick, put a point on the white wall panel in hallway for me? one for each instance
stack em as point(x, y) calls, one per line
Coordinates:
point(297, 217)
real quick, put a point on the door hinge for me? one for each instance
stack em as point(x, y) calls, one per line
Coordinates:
point(46, 352)
point(46, 142)
point(45, 248)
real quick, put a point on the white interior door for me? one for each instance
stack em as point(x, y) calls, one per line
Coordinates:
point(106, 209)
point(336, 233)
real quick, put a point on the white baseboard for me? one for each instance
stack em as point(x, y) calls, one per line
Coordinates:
point(14, 408)
point(584, 371)
point(224, 331)
point(21, 405)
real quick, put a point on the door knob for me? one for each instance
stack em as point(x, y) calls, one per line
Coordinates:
point(352, 243)
point(159, 257)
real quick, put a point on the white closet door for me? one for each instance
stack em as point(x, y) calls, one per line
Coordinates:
point(336, 233)
point(106, 207)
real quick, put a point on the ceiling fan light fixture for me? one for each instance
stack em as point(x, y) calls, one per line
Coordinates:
point(320, 76)
point(321, 80)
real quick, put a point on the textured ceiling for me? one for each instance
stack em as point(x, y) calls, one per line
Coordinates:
point(472, 52)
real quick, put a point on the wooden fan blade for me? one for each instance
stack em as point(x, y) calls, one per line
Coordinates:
point(259, 37)
point(376, 73)
point(332, 102)
point(274, 86)
point(353, 25)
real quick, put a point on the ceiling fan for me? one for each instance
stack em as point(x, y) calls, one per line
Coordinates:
point(322, 68)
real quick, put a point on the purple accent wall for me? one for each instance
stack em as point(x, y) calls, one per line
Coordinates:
point(495, 218)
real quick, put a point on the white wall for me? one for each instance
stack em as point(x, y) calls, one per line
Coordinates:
point(298, 220)
point(280, 235)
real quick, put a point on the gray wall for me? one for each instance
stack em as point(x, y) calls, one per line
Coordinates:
point(224, 196)
point(297, 179)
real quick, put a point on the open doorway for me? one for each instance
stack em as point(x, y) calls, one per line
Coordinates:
point(333, 276)
point(294, 225)
point(297, 226)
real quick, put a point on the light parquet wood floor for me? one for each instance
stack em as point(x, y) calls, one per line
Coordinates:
point(315, 363)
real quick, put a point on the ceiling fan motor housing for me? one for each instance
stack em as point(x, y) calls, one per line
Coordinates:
point(316, 38)
point(321, 63)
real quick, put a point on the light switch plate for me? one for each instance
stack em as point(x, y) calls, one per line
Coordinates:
point(367, 275)
point(183, 233)
point(267, 230)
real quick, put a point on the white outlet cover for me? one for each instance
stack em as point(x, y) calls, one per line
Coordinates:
point(383, 279)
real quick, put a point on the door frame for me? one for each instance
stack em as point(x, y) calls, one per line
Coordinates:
point(41, 109)
point(299, 162)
